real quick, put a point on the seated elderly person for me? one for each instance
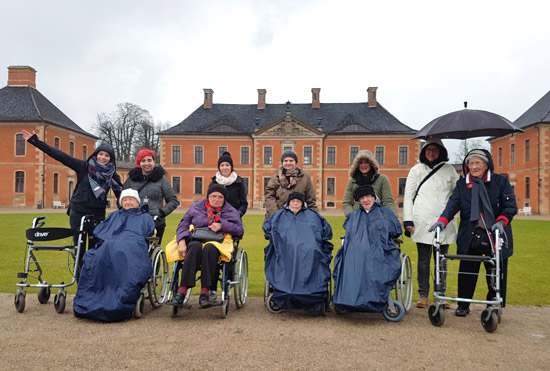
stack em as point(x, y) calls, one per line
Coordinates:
point(217, 215)
point(298, 256)
point(116, 270)
point(368, 264)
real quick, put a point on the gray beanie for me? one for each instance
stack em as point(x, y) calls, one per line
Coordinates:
point(291, 154)
point(479, 153)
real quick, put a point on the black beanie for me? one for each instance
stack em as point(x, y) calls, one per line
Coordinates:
point(363, 191)
point(215, 187)
point(291, 154)
point(225, 157)
point(298, 195)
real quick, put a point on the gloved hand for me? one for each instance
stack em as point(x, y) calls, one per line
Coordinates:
point(441, 226)
point(500, 226)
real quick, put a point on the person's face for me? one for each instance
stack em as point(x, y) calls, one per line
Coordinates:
point(129, 202)
point(478, 167)
point(103, 157)
point(364, 166)
point(367, 201)
point(432, 153)
point(289, 163)
point(225, 169)
point(147, 164)
point(295, 205)
point(216, 199)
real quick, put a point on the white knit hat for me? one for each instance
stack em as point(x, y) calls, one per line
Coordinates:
point(129, 192)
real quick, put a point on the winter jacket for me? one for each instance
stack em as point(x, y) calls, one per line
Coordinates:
point(276, 195)
point(431, 199)
point(368, 264)
point(198, 216)
point(236, 195)
point(155, 193)
point(381, 185)
point(83, 200)
point(503, 203)
point(297, 258)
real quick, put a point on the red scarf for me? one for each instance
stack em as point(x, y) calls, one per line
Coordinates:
point(213, 213)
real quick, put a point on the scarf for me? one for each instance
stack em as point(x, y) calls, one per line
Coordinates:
point(226, 181)
point(101, 178)
point(287, 178)
point(213, 213)
point(480, 196)
point(367, 179)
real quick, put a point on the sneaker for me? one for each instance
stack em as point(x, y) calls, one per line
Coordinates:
point(422, 303)
point(213, 297)
point(178, 299)
point(461, 311)
point(204, 302)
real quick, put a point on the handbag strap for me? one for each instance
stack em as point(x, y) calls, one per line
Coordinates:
point(148, 180)
point(434, 170)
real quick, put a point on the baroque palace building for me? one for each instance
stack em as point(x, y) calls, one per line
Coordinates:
point(325, 136)
point(525, 157)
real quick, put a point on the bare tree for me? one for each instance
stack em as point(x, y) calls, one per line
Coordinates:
point(467, 145)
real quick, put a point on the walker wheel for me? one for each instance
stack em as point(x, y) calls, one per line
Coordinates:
point(436, 314)
point(489, 320)
point(44, 295)
point(20, 301)
point(59, 302)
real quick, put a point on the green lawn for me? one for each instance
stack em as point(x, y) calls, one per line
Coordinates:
point(526, 278)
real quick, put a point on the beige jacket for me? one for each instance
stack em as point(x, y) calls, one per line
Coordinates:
point(276, 195)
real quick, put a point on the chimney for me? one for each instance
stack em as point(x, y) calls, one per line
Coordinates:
point(208, 93)
point(372, 97)
point(21, 76)
point(261, 98)
point(315, 100)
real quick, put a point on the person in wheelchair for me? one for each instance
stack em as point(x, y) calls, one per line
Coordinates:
point(298, 256)
point(215, 214)
point(368, 264)
point(116, 270)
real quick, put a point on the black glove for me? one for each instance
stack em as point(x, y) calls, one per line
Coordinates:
point(436, 225)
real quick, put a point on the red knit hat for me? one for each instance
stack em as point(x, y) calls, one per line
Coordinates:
point(144, 153)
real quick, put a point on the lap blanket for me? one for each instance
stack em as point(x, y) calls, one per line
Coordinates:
point(368, 264)
point(297, 258)
point(116, 270)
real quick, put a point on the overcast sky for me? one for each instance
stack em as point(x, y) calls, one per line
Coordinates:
point(425, 57)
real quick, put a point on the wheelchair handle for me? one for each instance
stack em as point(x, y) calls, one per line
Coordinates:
point(39, 221)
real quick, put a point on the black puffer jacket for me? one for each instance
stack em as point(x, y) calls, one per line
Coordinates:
point(155, 192)
point(83, 199)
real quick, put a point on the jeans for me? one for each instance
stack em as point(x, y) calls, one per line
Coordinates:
point(423, 269)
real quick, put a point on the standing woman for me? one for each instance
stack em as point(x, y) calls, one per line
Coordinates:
point(429, 186)
point(95, 177)
point(290, 178)
point(154, 189)
point(227, 177)
point(365, 172)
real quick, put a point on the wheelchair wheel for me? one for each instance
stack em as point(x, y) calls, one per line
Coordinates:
point(140, 305)
point(44, 295)
point(20, 301)
point(404, 285)
point(436, 314)
point(339, 310)
point(159, 284)
point(273, 308)
point(396, 315)
point(489, 320)
point(240, 275)
point(59, 301)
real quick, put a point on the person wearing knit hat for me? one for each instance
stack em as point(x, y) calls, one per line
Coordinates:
point(129, 198)
point(296, 201)
point(289, 178)
point(216, 188)
point(364, 191)
point(422, 204)
point(234, 184)
point(155, 190)
point(487, 204)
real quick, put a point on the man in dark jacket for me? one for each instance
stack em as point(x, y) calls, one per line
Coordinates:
point(486, 202)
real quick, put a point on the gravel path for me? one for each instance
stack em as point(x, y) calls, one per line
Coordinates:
point(253, 338)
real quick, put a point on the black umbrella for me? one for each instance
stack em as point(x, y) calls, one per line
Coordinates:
point(466, 124)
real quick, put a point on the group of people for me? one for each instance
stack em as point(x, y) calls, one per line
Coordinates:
point(434, 193)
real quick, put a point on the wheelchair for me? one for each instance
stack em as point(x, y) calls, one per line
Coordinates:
point(158, 286)
point(272, 307)
point(36, 236)
point(233, 274)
